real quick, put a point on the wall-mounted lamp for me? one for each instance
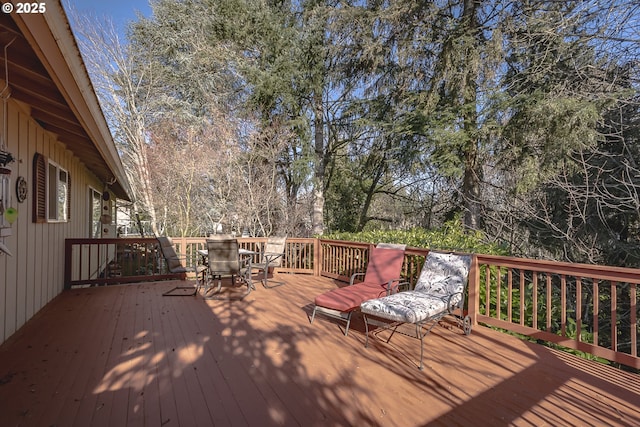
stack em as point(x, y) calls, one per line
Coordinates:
point(6, 158)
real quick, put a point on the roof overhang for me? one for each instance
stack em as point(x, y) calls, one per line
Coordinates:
point(46, 72)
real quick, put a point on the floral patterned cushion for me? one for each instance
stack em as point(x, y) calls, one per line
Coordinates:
point(443, 274)
point(439, 288)
point(410, 306)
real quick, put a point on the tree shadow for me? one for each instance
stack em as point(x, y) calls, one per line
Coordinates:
point(228, 362)
point(512, 381)
point(128, 356)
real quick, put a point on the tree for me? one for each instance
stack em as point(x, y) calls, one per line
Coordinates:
point(116, 70)
point(223, 83)
point(355, 115)
point(571, 135)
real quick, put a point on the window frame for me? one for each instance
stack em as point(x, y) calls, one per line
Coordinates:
point(61, 208)
point(95, 225)
point(41, 202)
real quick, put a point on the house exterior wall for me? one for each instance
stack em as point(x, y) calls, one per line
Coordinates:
point(34, 275)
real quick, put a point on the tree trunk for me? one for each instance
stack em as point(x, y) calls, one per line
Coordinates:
point(318, 191)
point(145, 188)
point(472, 168)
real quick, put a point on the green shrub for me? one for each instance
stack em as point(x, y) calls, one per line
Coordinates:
point(451, 237)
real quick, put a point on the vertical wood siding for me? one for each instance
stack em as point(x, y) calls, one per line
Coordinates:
point(34, 275)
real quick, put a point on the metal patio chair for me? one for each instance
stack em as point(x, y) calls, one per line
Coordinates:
point(175, 266)
point(224, 260)
point(271, 258)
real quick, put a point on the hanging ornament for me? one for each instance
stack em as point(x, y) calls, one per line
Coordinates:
point(11, 214)
point(21, 189)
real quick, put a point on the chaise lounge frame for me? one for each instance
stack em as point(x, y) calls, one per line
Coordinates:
point(440, 291)
point(382, 277)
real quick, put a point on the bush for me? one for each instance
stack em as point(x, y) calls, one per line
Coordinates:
point(451, 237)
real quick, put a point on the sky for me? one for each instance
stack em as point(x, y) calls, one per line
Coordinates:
point(120, 11)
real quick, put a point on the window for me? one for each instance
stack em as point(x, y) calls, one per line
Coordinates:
point(51, 191)
point(95, 209)
point(58, 193)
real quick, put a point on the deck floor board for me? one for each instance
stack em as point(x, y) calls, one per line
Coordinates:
point(127, 356)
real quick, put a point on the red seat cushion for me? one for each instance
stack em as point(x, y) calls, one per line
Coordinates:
point(384, 265)
point(350, 297)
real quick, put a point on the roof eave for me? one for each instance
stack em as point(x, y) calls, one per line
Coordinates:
point(53, 42)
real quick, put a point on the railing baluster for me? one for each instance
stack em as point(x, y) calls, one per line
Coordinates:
point(578, 309)
point(534, 284)
point(82, 263)
point(498, 292)
point(487, 286)
point(522, 298)
point(510, 296)
point(596, 310)
point(563, 302)
point(614, 317)
point(634, 319)
point(549, 302)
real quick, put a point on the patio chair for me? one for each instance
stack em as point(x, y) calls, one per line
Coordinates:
point(382, 277)
point(174, 265)
point(439, 292)
point(224, 260)
point(271, 258)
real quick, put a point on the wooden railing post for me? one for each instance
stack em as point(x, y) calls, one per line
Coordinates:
point(474, 290)
point(68, 247)
point(317, 255)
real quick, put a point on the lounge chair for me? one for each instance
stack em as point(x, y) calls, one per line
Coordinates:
point(271, 258)
point(381, 278)
point(174, 265)
point(224, 260)
point(439, 292)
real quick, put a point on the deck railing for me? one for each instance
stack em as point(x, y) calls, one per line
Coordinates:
point(130, 260)
point(113, 261)
point(593, 309)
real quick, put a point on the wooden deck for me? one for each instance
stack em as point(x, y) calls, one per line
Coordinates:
point(126, 356)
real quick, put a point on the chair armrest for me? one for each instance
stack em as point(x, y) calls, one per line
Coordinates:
point(270, 256)
point(267, 259)
point(399, 286)
point(353, 277)
point(450, 296)
point(245, 260)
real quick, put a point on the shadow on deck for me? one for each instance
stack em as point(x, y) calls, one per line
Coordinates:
point(125, 355)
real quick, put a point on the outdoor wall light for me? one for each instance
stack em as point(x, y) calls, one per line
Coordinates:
point(6, 158)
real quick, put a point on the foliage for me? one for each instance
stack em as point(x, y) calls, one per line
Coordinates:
point(452, 236)
point(293, 117)
point(564, 157)
point(592, 182)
